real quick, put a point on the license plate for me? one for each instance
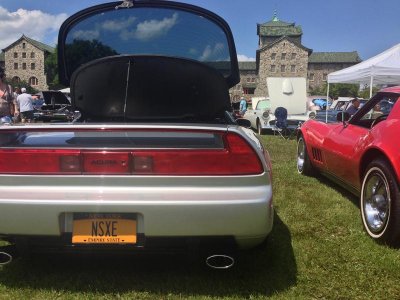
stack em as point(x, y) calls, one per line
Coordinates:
point(104, 231)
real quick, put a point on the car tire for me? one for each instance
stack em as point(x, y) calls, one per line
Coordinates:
point(380, 203)
point(260, 131)
point(304, 165)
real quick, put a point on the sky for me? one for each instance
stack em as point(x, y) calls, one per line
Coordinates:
point(366, 26)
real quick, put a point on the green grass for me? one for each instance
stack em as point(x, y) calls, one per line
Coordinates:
point(317, 250)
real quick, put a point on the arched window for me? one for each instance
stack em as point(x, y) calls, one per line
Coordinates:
point(33, 81)
point(16, 79)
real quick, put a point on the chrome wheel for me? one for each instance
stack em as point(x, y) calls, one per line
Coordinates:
point(300, 155)
point(375, 201)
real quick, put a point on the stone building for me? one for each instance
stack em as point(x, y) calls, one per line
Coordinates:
point(281, 53)
point(24, 61)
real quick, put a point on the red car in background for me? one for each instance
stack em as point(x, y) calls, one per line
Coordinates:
point(361, 153)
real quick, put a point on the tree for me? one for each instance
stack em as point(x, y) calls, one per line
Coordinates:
point(337, 90)
point(51, 69)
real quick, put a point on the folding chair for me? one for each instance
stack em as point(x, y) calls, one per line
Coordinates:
point(281, 122)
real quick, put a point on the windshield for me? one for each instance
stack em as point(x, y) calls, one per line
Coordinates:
point(147, 31)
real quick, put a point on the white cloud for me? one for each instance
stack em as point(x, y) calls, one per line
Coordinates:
point(35, 24)
point(148, 30)
point(212, 53)
point(86, 35)
point(242, 57)
point(118, 25)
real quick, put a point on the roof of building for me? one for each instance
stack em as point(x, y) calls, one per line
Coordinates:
point(247, 65)
point(276, 27)
point(35, 43)
point(295, 42)
point(334, 57)
point(2, 56)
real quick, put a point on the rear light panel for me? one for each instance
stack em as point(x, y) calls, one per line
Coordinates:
point(237, 157)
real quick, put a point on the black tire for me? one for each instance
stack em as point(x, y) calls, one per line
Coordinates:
point(304, 165)
point(380, 203)
point(260, 131)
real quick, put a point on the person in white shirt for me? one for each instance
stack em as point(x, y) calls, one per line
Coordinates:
point(24, 102)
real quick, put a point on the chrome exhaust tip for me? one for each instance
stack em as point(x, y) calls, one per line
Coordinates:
point(5, 258)
point(220, 261)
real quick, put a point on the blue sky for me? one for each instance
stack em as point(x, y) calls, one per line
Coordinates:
point(366, 26)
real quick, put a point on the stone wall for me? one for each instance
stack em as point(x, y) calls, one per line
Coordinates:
point(248, 81)
point(285, 53)
point(26, 54)
point(318, 72)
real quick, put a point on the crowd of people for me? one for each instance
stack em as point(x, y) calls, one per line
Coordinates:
point(16, 105)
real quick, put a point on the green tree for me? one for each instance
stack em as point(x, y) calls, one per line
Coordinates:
point(337, 90)
point(51, 69)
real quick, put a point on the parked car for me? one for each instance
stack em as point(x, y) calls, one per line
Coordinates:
point(156, 160)
point(315, 103)
point(339, 106)
point(53, 106)
point(362, 154)
point(262, 119)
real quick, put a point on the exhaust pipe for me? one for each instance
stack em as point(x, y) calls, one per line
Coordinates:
point(5, 258)
point(220, 261)
point(8, 254)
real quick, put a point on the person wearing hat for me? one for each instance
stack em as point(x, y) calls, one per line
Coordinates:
point(6, 97)
point(25, 104)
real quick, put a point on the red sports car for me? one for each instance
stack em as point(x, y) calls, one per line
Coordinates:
point(361, 153)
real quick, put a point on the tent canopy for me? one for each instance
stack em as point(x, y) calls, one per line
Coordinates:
point(383, 68)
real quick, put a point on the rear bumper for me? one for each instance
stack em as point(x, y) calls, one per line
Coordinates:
point(243, 212)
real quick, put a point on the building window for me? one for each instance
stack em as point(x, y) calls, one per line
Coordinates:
point(15, 55)
point(23, 45)
point(311, 76)
point(273, 55)
point(273, 68)
point(15, 66)
point(324, 76)
point(283, 56)
point(23, 54)
point(283, 68)
point(293, 68)
point(293, 55)
point(248, 91)
point(16, 80)
point(33, 81)
point(253, 79)
point(33, 66)
point(23, 66)
point(32, 54)
point(248, 79)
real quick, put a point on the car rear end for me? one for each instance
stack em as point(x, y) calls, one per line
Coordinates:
point(77, 187)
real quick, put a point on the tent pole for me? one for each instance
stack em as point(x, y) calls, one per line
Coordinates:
point(327, 101)
point(370, 87)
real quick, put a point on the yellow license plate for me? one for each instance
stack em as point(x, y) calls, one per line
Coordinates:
point(104, 231)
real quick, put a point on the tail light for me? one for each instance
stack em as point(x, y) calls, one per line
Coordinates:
point(237, 157)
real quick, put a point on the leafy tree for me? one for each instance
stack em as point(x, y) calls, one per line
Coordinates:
point(365, 92)
point(21, 84)
point(51, 69)
point(337, 90)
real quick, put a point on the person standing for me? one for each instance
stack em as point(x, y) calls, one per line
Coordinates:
point(25, 104)
point(242, 106)
point(7, 105)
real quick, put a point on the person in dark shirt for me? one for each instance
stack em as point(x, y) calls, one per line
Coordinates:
point(355, 104)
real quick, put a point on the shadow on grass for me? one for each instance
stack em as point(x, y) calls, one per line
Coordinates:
point(266, 270)
point(340, 189)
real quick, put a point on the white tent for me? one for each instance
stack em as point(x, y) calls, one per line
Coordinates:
point(383, 68)
point(65, 91)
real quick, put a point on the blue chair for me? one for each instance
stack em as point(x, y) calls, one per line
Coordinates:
point(281, 121)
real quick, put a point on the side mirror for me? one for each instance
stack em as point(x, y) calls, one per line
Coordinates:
point(243, 122)
point(343, 116)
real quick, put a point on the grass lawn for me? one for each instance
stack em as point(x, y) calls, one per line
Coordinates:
point(317, 250)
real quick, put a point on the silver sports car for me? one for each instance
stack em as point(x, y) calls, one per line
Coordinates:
point(156, 159)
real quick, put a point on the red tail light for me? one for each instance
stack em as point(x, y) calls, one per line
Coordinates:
point(236, 158)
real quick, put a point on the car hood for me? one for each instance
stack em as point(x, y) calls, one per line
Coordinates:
point(156, 88)
point(55, 97)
